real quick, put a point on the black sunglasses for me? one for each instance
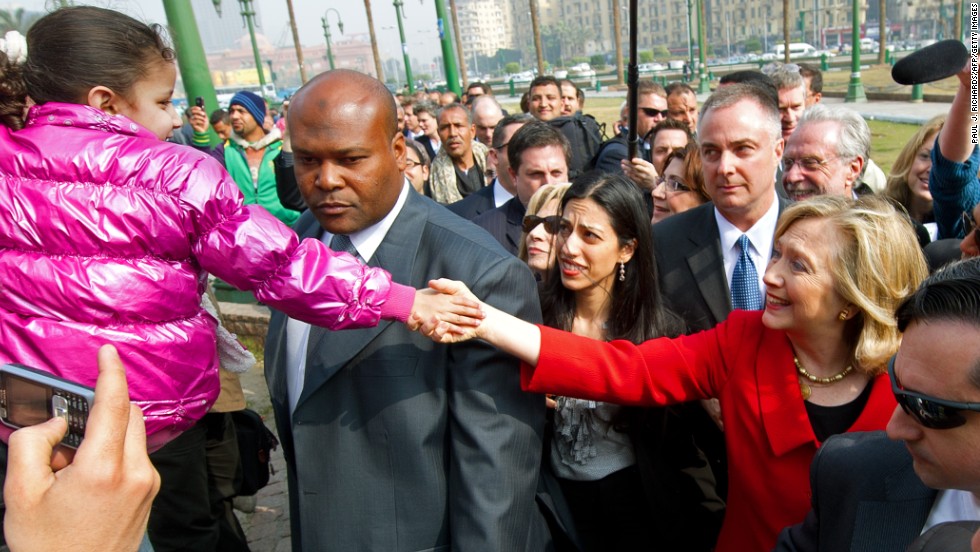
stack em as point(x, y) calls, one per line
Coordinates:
point(552, 224)
point(651, 112)
point(928, 411)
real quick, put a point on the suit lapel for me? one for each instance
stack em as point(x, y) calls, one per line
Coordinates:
point(328, 351)
point(707, 264)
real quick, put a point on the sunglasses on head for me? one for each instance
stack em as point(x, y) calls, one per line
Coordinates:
point(651, 112)
point(928, 411)
point(551, 224)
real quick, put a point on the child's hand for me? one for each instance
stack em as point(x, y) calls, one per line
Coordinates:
point(460, 312)
point(444, 329)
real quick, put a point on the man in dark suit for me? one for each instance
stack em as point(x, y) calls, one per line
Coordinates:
point(698, 251)
point(502, 189)
point(393, 442)
point(538, 154)
point(872, 494)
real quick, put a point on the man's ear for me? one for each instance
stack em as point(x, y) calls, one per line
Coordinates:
point(398, 148)
point(104, 99)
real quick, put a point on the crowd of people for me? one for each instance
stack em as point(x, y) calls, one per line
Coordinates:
point(490, 331)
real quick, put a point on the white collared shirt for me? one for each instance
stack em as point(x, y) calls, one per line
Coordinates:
point(760, 237)
point(500, 195)
point(367, 242)
point(953, 505)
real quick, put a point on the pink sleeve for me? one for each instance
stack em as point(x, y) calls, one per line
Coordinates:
point(657, 372)
point(252, 250)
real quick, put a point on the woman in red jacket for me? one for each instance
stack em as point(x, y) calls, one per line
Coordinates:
point(811, 365)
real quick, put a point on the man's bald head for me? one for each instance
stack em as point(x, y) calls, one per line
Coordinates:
point(351, 156)
point(368, 93)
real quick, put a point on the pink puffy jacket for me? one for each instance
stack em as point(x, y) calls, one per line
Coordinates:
point(106, 236)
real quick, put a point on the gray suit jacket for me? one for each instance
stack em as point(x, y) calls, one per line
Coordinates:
point(866, 498)
point(401, 444)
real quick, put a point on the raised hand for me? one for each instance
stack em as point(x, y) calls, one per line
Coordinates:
point(641, 172)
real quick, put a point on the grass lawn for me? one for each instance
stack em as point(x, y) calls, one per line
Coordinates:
point(887, 139)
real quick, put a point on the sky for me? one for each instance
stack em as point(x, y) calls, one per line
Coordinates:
point(420, 21)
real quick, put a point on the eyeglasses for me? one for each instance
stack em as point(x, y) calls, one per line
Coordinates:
point(501, 146)
point(672, 183)
point(551, 224)
point(807, 164)
point(969, 225)
point(409, 164)
point(928, 411)
point(651, 112)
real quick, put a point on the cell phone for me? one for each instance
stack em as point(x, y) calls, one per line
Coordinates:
point(199, 102)
point(29, 396)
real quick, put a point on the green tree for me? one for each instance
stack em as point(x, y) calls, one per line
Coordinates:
point(597, 60)
point(661, 52)
point(512, 67)
point(752, 44)
point(646, 56)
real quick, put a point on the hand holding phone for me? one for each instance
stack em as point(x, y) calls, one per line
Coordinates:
point(30, 397)
point(101, 501)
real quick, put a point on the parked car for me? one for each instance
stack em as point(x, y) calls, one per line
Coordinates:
point(676, 64)
point(581, 71)
point(650, 67)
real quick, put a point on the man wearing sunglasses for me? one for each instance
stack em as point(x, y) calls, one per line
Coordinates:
point(651, 109)
point(872, 492)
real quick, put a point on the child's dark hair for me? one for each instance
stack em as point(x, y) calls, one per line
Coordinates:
point(72, 50)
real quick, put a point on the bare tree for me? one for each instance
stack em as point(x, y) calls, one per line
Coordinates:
point(374, 42)
point(536, 31)
point(296, 43)
point(459, 44)
point(617, 40)
point(786, 31)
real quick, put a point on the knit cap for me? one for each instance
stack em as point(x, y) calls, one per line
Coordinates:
point(252, 103)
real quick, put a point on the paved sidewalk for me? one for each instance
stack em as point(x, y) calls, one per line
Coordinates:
point(268, 527)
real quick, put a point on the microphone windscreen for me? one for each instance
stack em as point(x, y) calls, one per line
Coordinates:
point(932, 63)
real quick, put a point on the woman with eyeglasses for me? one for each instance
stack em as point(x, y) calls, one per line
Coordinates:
point(682, 185)
point(811, 365)
point(619, 469)
point(417, 167)
point(540, 225)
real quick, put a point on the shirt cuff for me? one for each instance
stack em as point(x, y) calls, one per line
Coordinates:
point(399, 304)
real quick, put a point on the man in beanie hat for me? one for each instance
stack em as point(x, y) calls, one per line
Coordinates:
point(250, 152)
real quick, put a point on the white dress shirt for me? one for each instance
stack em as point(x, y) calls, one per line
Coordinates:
point(760, 237)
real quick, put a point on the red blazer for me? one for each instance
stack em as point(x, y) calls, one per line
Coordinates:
point(749, 368)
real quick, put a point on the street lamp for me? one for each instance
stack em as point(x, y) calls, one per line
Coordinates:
point(248, 14)
point(703, 85)
point(326, 32)
point(399, 13)
point(855, 88)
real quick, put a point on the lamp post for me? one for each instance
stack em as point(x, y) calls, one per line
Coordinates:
point(326, 32)
point(248, 14)
point(401, 33)
point(855, 88)
point(448, 56)
point(690, 36)
point(191, 60)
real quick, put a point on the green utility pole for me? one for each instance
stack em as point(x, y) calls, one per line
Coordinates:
point(448, 56)
point(190, 56)
point(326, 32)
point(248, 14)
point(401, 33)
point(855, 88)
